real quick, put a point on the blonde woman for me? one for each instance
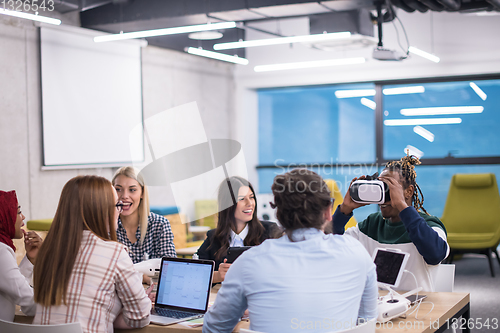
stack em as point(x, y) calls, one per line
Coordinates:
point(147, 235)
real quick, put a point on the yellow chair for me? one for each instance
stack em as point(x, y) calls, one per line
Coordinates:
point(339, 198)
point(39, 225)
point(206, 212)
point(472, 215)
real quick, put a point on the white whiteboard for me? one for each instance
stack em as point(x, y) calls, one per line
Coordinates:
point(91, 99)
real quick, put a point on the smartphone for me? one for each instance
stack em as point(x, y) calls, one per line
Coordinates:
point(235, 252)
point(413, 298)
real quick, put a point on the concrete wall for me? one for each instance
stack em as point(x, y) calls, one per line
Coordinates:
point(170, 79)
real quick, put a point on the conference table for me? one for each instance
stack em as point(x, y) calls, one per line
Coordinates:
point(448, 307)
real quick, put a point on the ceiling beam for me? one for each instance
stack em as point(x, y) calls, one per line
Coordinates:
point(156, 9)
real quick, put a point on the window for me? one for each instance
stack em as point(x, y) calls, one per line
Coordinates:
point(335, 131)
point(313, 125)
point(443, 119)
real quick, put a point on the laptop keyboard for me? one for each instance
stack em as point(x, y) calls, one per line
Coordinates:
point(174, 313)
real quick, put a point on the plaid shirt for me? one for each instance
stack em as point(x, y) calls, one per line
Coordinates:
point(159, 240)
point(103, 283)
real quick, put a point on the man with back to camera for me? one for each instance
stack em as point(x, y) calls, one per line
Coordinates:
point(400, 225)
point(303, 281)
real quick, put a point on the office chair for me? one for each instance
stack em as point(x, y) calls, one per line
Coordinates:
point(444, 278)
point(206, 212)
point(472, 215)
point(339, 198)
point(6, 326)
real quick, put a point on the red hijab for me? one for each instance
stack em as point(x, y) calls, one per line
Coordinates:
point(8, 216)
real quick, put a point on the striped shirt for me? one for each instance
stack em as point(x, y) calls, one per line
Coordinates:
point(158, 242)
point(103, 283)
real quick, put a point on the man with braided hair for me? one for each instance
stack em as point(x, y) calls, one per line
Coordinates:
point(402, 223)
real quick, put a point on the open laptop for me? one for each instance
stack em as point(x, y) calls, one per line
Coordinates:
point(183, 290)
point(390, 266)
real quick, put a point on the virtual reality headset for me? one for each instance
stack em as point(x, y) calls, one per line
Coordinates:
point(370, 191)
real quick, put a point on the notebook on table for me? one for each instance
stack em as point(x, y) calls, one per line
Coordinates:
point(183, 290)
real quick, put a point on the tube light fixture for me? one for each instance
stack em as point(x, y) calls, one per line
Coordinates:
point(354, 93)
point(166, 31)
point(368, 103)
point(309, 64)
point(33, 17)
point(411, 150)
point(217, 55)
point(424, 54)
point(478, 91)
point(404, 90)
point(283, 40)
point(436, 111)
point(422, 121)
point(428, 135)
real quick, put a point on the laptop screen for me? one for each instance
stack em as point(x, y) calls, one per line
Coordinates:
point(184, 283)
point(389, 266)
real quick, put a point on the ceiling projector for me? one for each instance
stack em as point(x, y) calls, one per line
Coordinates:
point(381, 53)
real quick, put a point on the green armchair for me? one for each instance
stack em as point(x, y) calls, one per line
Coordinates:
point(472, 215)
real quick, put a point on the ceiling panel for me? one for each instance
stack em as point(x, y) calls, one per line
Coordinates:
point(291, 10)
point(238, 15)
point(341, 5)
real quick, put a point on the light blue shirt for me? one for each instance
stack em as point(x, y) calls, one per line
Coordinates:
point(319, 283)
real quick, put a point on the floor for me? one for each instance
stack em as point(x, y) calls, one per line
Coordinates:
point(472, 275)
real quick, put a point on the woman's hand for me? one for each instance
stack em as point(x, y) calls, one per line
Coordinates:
point(220, 275)
point(223, 268)
point(398, 199)
point(32, 243)
point(348, 205)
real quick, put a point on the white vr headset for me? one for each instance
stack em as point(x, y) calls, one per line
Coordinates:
point(369, 191)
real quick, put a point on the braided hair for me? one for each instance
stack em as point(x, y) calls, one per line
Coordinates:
point(406, 168)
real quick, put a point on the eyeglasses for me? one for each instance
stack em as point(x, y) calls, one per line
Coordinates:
point(119, 206)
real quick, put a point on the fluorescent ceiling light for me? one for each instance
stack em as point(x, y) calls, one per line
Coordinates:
point(403, 90)
point(32, 17)
point(354, 93)
point(441, 110)
point(217, 55)
point(478, 91)
point(205, 35)
point(282, 40)
point(309, 64)
point(413, 151)
point(423, 54)
point(428, 135)
point(368, 103)
point(166, 31)
point(423, 121)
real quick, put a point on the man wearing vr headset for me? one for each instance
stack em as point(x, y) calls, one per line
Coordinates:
point(400, 224)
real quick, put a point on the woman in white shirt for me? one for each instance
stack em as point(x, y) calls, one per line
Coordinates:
point(15, 288)
point(237, 224)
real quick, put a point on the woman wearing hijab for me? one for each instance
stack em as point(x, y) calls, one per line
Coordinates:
point(15, 286)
